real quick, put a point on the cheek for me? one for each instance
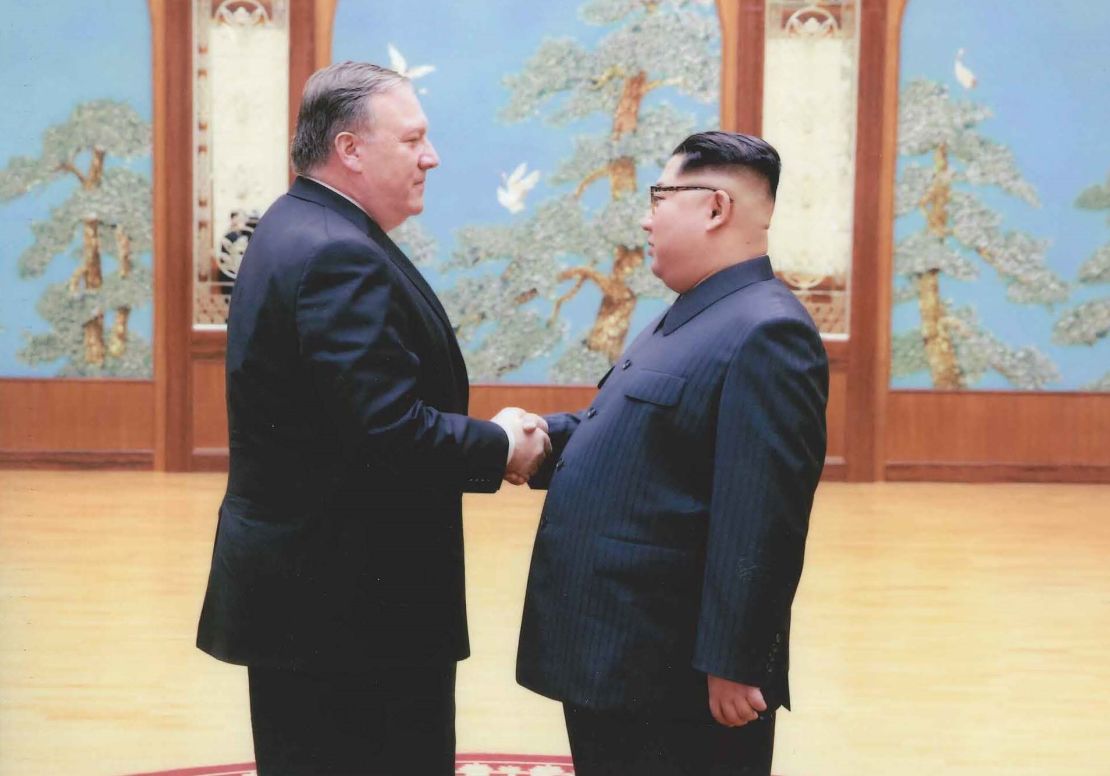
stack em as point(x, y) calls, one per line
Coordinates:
point(658, 258)
point(663, 234)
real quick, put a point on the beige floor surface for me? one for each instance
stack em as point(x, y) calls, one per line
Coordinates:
point(956, 629)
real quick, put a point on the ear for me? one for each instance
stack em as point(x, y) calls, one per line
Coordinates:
point(721, 211)
point(347, 151)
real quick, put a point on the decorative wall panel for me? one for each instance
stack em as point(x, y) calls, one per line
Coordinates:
point(241, 162)
point(809, 115)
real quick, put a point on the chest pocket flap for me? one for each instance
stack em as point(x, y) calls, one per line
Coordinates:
point(655, 387)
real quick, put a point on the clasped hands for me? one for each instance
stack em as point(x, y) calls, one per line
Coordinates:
point(531, 444)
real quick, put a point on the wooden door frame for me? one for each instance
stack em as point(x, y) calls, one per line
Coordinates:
point(177, 346)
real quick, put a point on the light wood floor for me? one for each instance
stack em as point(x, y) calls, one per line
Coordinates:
point(956, 629)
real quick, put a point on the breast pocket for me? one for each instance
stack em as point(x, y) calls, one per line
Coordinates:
point(658, 388)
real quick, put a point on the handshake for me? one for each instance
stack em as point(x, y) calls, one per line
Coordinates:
point(530, 444)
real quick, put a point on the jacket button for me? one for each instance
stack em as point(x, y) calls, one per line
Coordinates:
point(560, 464)
point(591, 412)
point(626, 364)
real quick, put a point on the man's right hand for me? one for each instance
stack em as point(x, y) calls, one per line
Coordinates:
point(531, 444)
point(734, 704)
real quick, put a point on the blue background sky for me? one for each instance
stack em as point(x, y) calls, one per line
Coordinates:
point(53, 56)
point(473, 50)
point(1044, 70)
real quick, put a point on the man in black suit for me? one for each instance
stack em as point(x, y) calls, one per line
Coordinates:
point(671, 540)
point(337, 574)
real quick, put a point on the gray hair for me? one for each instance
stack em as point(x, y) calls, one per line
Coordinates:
point(336, 99)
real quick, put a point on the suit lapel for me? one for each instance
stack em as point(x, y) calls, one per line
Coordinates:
point(304, 188)
point(398, 257)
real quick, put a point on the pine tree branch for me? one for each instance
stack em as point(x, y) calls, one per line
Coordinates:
point(612, 74)
point(594, 176)
point(69, 167)
point(587, 273)
point(661, 83)
point(75, 278)
point(567, 297)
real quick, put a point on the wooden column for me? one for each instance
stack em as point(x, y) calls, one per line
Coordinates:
point(872, 254)
point(743, 24)
point(171, 27)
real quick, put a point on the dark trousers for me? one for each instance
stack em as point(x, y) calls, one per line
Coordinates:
point(390, 721)
point(616, 743)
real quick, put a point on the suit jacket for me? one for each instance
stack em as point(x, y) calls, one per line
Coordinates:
point(671, 540)
point(340, 536)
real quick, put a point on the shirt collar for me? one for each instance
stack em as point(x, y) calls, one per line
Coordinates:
point(716, 287)
point(320, 193)
point(337, 191)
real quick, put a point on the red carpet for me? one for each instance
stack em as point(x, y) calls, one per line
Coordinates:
point(465, 765)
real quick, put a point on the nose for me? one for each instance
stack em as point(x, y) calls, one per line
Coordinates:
point(645, 222)
point(429, 158)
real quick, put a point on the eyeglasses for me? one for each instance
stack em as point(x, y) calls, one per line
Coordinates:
point(657, 190)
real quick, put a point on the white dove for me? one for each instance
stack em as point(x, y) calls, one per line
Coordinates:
point(516, 187)
point(964, 75)
point(398, 63)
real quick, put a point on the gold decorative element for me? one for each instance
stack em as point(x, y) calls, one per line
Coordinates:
point(824, 296)
point(809, 19)
point(242, 13)
point(237, 170)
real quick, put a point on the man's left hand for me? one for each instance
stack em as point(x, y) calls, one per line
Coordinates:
point(734, 704)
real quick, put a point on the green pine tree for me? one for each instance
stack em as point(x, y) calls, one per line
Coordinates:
point(109, 213)
point(959, 233)
point(549, 256)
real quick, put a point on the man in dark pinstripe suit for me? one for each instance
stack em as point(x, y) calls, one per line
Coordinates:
point(672, 538)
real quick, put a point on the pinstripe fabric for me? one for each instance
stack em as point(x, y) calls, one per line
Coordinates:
point(672, 537)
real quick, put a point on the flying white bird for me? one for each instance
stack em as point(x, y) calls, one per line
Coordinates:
point(964, 75)
point(398, 63)
point(516, 187)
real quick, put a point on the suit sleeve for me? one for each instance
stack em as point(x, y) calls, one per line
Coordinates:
point(352, 327)
point(560, 427)
point(769, 452)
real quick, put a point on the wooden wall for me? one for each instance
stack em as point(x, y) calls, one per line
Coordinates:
point(178, 421)
point(77, 423)
point(975, 436)
point(970, 436)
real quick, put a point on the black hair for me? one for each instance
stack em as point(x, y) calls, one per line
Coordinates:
point(731, 149)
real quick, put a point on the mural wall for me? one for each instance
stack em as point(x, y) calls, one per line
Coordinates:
point(1002, 254)
point(75, 192)
point(551, 120)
